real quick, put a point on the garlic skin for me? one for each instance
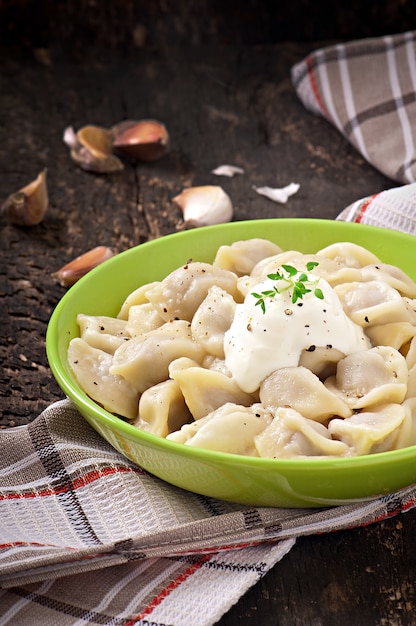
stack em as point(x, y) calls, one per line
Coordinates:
point(227, 170)
point(91, 148)
point(27, 207)
point(80, 265)
point(205, 205)
point(278, 194)
point(144, 140)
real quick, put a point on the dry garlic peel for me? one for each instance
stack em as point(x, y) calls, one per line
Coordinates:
point(278, 194)
point(91, 148)
point(79, 266)
point(205, 205)
point(227, 170)
point(27, 207)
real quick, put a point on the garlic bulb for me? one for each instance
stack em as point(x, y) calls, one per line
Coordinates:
point(205, 205)
point(27, 207)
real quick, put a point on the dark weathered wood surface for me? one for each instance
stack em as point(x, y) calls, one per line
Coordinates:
point(221, 104)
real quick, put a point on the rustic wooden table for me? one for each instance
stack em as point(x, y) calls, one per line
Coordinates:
point(231, 104)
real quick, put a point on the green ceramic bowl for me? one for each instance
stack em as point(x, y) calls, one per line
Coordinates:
point(247, 480)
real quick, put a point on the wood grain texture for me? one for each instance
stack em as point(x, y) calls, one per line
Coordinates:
point(222, 104)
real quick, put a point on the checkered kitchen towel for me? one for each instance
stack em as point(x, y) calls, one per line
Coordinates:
point(367, 90)
point(86, 537)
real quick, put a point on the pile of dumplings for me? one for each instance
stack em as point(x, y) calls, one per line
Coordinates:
point(160, 363)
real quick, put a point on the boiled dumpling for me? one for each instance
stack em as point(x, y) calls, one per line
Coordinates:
point(206, 390)
point(91, 367)
point(138, 296)
point(212, 319)
point(374, 302)
point(182, 291)
point(291, 435)
point(395, 334)
point(144, 361)
point(217, 430)
point(301, 390)
point(393, 276)
point(241, 256)
point(411, 383)
point(142, 319)
point(374, 376)
point(162, 409)
point(407, 431)
point(349, 254)
point(322, 361)
point(102, 332)
point(371, 431)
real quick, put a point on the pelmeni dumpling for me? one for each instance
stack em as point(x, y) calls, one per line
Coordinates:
point(247, 282)
point(374, 302)
point(241, 256)
point(299, 389)
point(395, 334)
point(411, 383)
point(211, 362)
point(374, 376)
point(291, 435)
point(212, 319)
point(138, 296)
point(162, 409)
point(349, 254)
point(144, 361)
point(179, 295)
point(411, 353)
point(102, 332)
point(142, 319)
point(206, 390)
point(407, 431)
point(370, 431)
point(217, 430)
point(288, 257)
point(392, 275)
point(91, 367)
point(322, 360)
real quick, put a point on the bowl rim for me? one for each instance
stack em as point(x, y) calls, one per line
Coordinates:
point(75, 393)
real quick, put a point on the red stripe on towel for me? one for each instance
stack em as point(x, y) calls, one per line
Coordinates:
point(82, 481)
point(168, 589)
point(314, 87)
point(364, 208)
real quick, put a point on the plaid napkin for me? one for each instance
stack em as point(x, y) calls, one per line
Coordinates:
point(86, 537)
point(393, 208)
point(367, 90)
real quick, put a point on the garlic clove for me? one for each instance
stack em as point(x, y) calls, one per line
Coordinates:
point(205, 205)
point(144, 140)
point(81, 265)
point(91, 148)
point(27, 207)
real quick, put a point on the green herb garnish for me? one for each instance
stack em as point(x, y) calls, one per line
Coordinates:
point(298, 281)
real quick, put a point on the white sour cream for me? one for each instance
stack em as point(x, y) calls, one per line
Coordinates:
point(259, 343)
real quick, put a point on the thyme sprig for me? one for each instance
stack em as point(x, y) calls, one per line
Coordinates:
point(293, 279)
